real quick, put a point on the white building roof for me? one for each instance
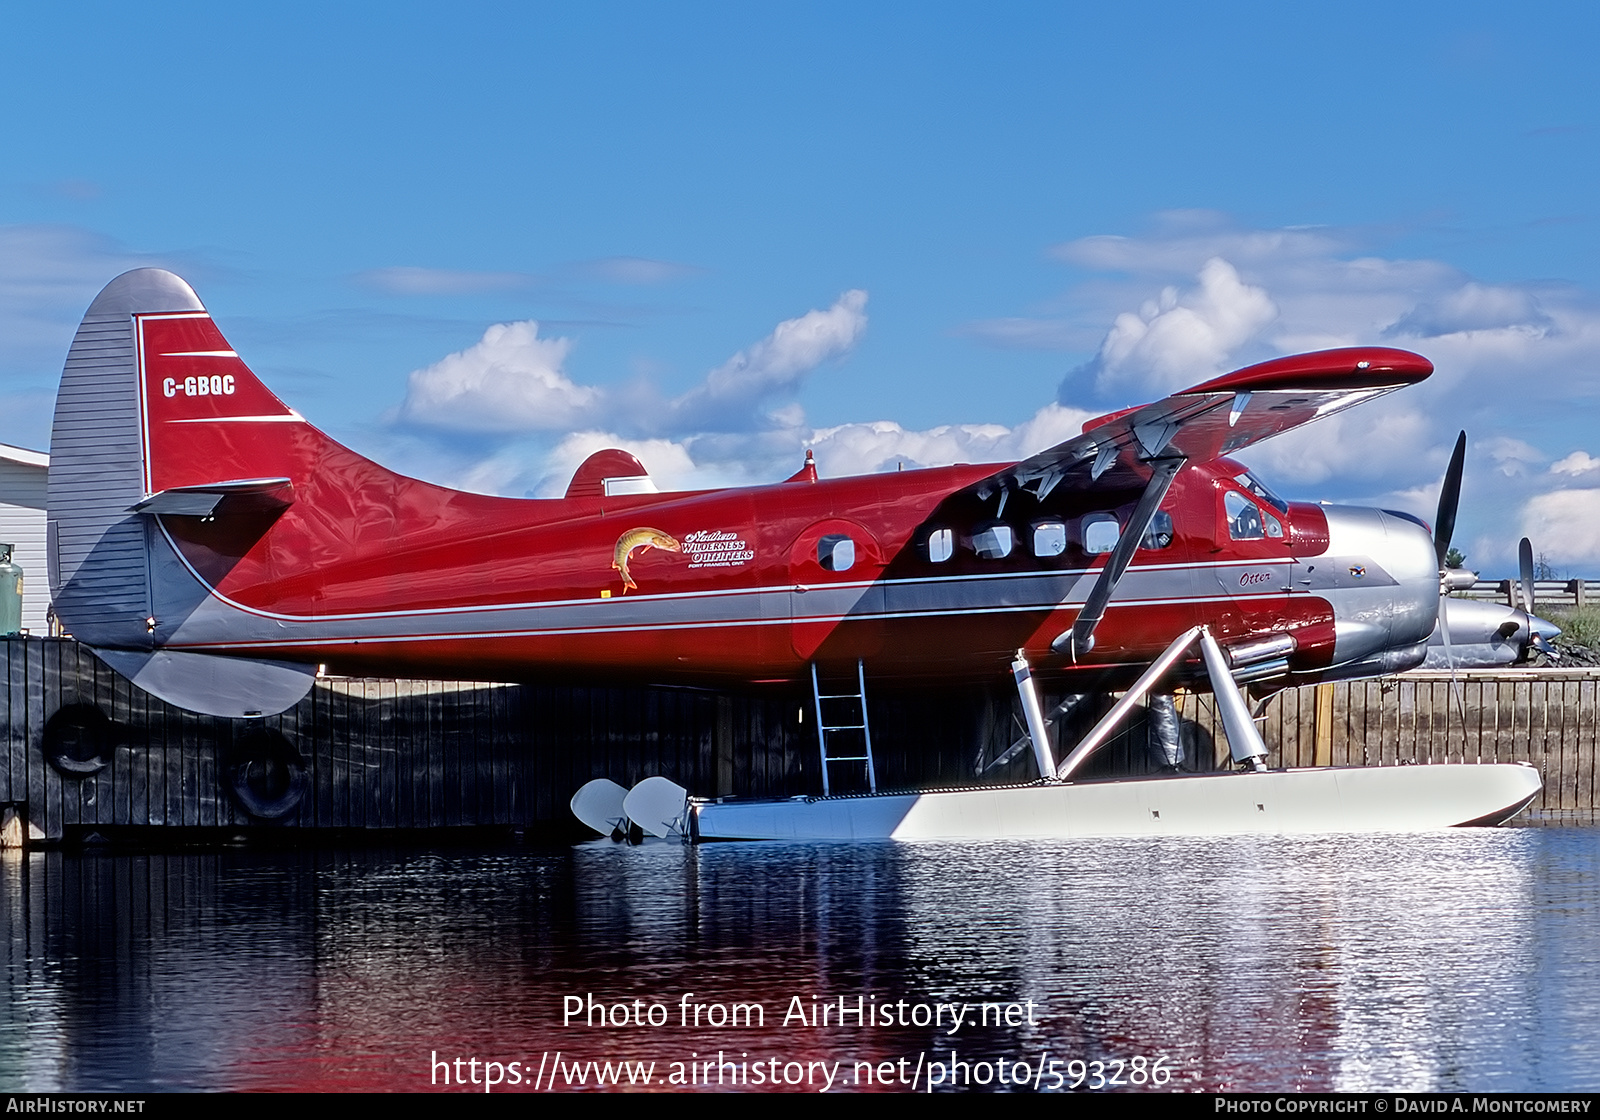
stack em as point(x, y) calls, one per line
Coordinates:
point(24, 456)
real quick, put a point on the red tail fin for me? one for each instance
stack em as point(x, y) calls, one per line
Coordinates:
point(206, 417)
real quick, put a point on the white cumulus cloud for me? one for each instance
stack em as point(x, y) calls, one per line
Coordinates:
point(514, 382)
point(885, 446)
point(1472, 307)
point(1579, 462)
point(1385, 440)
point(775, 365)
point(1565, 525)
point(1184, 337)
point(1511, 457)
point(509, 381)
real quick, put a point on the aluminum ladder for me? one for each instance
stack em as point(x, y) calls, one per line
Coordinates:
point(825, 728)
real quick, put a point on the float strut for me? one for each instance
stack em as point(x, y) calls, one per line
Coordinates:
point(1244, 741)
point(1038, 730)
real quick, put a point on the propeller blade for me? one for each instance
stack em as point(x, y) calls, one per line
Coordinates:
point(1525, 564)
point(1444, 523)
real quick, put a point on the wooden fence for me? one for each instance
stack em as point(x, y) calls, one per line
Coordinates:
point(1561, 594)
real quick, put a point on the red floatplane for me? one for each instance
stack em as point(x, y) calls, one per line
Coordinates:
point(215, 548)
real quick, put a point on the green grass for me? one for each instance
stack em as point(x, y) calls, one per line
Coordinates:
point(1579, 627)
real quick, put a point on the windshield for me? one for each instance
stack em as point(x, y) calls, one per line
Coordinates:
point(1252, 484)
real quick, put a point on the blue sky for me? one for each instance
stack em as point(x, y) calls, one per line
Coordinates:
point(896, 233)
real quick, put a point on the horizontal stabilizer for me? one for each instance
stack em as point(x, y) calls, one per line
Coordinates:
point(214, 686)
point(252, 495)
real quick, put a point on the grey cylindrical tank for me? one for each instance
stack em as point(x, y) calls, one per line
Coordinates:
point(10, 592)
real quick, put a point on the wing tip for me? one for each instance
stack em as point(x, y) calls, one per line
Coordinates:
point(1350, 367)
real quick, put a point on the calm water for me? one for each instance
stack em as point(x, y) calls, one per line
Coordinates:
point(1461, 960)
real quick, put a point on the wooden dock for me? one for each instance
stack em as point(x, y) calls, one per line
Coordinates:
point(84, 753)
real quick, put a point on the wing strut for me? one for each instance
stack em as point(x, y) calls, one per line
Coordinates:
point(1078, 641)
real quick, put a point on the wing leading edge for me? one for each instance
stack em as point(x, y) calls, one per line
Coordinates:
point(1212, 419)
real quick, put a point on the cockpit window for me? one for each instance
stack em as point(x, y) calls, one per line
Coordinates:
point(1100, 532)
point(1244, 517)
point(1259, 489)
point(941, 545)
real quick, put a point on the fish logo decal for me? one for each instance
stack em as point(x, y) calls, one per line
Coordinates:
point(1358, 570)
point(632, 541)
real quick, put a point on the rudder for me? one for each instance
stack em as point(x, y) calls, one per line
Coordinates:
point(97, 553)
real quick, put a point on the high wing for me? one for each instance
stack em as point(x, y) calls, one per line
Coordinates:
point(1213, 419)
point(1147, 446)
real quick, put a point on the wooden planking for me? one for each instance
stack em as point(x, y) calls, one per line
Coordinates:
point(1584, 746)
point(14, 777)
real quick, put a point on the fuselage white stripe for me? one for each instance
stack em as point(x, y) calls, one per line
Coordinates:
point(782, 588)
point(652, 627)
point(291, 418)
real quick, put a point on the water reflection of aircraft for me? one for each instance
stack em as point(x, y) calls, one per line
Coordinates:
point(215, 548)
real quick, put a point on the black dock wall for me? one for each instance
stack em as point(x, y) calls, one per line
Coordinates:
point(82, 750)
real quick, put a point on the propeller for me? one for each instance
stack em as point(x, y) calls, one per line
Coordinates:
point(1455, 579)
point(1525, 571)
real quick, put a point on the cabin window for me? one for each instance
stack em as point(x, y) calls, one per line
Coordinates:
point(994, 542)
point(1244, 517)
point(1160, 533)
point(941, 545)
point(1100, 532)
point(836, 553)
point(1049, 539)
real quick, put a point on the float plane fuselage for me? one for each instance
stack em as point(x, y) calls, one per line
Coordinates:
point(216, 548)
